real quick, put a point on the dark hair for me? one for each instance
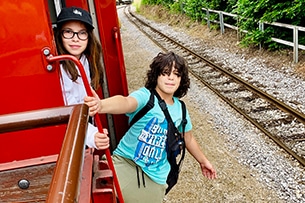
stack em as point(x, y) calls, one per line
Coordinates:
point(92, 52)
point(163, 64)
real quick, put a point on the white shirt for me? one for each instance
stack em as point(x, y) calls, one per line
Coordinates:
point(75, 92)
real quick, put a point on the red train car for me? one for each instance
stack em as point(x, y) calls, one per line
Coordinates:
point(43, 158)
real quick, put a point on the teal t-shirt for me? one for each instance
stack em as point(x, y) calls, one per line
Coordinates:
point(145, 141)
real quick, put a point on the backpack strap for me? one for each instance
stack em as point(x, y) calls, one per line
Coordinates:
point(166, 113)
point(149, 105)
point(184, 122)
point(163, 106)
point(175, 143)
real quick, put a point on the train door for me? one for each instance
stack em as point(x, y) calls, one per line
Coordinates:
point(27, 82)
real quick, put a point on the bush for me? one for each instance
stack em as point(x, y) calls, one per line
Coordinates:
point(251, 12)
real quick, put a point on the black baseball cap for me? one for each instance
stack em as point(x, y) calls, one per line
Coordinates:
point(74, 13)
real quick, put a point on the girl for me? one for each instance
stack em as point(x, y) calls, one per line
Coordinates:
point(140, 158)
point(74, 35)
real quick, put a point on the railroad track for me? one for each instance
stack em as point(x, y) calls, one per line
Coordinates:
point(280, 122)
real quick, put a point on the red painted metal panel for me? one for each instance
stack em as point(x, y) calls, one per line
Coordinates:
point(25, 83)
point(26, 144)
point(103, 189)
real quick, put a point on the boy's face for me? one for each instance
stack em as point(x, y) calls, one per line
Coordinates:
point(169, 82)
point(74, 37)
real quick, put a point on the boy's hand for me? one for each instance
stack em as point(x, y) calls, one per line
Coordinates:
point(93, 103)
point(208, 171)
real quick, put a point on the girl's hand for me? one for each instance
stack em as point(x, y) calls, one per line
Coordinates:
point(93, 103)
point(101, 140)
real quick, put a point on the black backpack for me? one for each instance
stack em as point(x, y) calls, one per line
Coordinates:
point(175, 145)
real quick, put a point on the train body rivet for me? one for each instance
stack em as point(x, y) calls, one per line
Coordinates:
point(46, 52)
point(49, 67)
point(24, 184)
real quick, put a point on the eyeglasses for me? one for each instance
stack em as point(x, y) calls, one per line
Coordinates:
point(69, 34)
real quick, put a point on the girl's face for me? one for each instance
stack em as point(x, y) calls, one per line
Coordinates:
point(74, 37)
point(168, 83)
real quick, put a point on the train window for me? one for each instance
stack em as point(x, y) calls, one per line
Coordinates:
point(55, 8)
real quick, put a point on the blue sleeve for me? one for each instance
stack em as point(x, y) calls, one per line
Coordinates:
point(142, 96)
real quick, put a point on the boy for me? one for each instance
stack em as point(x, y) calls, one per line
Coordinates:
point(141, 158)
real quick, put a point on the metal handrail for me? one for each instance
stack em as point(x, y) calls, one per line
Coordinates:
point(65, 182)
point(34, 119)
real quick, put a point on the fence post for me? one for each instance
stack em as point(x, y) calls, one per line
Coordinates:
point(237, 30)
point(208, 18)
point(222, 27)
point(261, 28)
point(295, 44)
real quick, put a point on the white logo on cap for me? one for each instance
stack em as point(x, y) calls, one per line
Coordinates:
point(77, 12)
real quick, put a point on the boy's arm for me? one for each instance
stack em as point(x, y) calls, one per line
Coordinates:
point(114, 105)
point(117, 105)
point(194, 149)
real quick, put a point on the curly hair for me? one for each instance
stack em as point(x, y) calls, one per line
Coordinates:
point(92, 52)
point(163, 64)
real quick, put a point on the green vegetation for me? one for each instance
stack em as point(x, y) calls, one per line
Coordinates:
point(250, 13)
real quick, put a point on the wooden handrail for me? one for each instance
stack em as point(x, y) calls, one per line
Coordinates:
point(34, 119)
point(65, 182)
